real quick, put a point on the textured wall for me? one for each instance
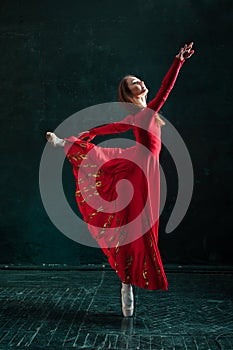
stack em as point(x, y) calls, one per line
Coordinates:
point(58, 57)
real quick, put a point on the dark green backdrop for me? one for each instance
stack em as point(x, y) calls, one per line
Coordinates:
point(58, 57)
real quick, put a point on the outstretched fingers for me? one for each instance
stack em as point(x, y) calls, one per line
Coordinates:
point(186, 51)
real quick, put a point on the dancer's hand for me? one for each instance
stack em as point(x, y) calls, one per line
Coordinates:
point(85, 135)
point(185, 52)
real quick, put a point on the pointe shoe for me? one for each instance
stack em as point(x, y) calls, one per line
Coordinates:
point(54, 140)
point(127, 300)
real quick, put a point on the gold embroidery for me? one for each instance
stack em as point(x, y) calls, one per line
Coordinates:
point(129, 260)
point(84, 145)
point(86, 189)
point(144, 273)
point(90, 174)
point(111, 239)
point(83, 156)
point(101, 233)
point(116, 267)
point(76, 157)
point(90, 165)
point(98, 174)
point(108, 223)
point(100, 209)
point(117, 247)
point(90, 216)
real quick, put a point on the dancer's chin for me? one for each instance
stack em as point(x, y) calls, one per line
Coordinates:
point(143, 93)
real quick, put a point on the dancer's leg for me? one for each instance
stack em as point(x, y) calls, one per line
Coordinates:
point(127, 299)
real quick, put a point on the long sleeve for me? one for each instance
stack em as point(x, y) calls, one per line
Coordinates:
point(113, 128)
point(167, 84)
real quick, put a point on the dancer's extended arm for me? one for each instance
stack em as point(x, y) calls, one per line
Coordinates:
point(170, 78)
point(167, 84)
point(112, 128)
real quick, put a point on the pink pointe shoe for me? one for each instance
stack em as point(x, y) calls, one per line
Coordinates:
point(127, 300)
point(54, 140)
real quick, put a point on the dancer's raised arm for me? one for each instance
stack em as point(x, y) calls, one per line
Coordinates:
point(170, 78)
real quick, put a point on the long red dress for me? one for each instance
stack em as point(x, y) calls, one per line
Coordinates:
point(125, 222)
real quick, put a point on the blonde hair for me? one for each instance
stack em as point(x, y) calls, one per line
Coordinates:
point(125, 95)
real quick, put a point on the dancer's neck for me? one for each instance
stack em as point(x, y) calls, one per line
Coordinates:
point(141, 101)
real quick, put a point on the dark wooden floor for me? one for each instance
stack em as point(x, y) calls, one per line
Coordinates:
point(81, 309)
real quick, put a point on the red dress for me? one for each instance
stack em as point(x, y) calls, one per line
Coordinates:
point(127, 232)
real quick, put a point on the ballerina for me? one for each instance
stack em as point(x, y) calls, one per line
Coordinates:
point(135, 257)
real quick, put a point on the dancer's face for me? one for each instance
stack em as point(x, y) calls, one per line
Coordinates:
point(137, 86)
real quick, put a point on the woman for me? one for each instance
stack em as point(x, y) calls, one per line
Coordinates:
point(127, 235)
